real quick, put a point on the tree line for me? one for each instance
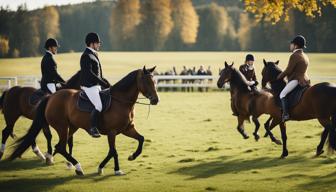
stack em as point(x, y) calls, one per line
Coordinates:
point(160, 25)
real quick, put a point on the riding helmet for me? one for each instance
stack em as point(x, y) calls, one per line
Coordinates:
point(249, 57)
point(51, 42)
point(92, 38)
point(299, 41)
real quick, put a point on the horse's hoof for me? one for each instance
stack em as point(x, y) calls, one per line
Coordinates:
point(266, 135)
point(284, 155)
point(79, 172)
point(119, 173)
point(49, 159)
point(246, 136)
point(69, 165)
point(256, 136)
point(131, 158)
point(318, 153)
point(100, 171)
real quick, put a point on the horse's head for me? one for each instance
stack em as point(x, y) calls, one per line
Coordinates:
point(225, 75)
point(147, 86)
point(269, 72)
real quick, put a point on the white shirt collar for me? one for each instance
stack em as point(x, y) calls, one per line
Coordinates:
point(94, 51)
point(295, 50)
point(49, 52)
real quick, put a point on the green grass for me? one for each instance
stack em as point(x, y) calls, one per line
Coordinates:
point(191, 140)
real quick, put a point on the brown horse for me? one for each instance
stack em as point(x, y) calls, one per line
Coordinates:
point(15, 103)
point(317, 102)
point(247, 103)
point(59, 110)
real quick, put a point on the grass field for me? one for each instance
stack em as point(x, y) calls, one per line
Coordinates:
point(191, 140)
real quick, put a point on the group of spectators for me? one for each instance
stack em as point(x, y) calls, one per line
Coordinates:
point(187, 71)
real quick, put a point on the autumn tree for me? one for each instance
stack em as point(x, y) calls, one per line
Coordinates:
point(49, 22)
point(274, 11)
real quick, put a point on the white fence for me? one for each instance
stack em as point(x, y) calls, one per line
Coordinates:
point(163, 81)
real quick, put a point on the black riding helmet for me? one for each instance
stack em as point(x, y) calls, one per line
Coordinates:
point(299, 41)
point(92, 38)
point(249, 57)
point(51, 42)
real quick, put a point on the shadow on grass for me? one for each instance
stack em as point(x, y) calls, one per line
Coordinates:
point(227, 165)
point(19, 164)
point(320, 183)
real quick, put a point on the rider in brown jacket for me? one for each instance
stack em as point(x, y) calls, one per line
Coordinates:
point(296, 72)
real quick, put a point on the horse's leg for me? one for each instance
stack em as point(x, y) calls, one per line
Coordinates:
point(240, 127)
point(257, 125)
point(326, 123)
point(284, 140)
point(48, 136)
point(267, 125)
point(112, 153)
point(131, 132)
point(37, 151)
point(72, 130)
point(274, 123)
point(10, 120)
point(61, 149)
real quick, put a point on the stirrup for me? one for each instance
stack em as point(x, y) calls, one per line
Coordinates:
point(94, 132)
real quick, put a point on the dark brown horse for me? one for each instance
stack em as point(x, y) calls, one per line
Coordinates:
point(59, 110)
point(247, 103)
point(317, 102)
point(15, 103)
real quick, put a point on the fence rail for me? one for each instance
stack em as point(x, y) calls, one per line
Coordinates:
point(163, 81)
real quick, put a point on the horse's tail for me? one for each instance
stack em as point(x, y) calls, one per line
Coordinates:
point(332, 134)
point(2, 98)
point(39, 122)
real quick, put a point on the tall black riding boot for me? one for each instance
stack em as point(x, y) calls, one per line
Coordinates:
point(94, 124)
point(284, 105)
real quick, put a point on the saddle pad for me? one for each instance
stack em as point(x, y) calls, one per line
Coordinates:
point(294, 97)
point(85, 105)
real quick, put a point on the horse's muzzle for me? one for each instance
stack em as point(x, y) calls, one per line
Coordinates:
point(154, 101)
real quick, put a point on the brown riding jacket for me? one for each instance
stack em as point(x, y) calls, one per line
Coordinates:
point(297, 68)
point(248, 73)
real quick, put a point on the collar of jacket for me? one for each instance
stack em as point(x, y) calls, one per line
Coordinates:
point(92, 50)
point(47, 51)
point(295, 50)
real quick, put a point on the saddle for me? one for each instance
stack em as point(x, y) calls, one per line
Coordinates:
point(294, 97)
point(37, 96)
point(84, 104)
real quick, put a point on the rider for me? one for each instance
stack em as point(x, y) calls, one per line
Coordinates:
point(296, 71)
point(50, 77)
point(247, 70)
point(92, 79)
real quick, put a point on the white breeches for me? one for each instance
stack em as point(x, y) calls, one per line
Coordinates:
point(289, 87)
point(51, 87)
point(93, 95)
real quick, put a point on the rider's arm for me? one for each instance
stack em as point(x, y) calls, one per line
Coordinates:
point(87, 67)
point(53, 70)
point(290, 68)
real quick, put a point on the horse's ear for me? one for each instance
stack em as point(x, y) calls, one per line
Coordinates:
point(144, 70)
point(277, 62)
point(231, 65)
point(152, 69)
point(226, 65)
point(265, 63)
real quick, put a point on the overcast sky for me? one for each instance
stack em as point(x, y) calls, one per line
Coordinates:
point(34, 4)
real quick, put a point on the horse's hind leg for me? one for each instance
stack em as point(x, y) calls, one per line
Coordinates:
point(326, 123)
point(48, 136)
point(267, 125)
point(131, 132)
point(8, 130)
point(240, 127)
point(61, 149)
point(274, 123)
point(284, 140)
point(257, 125)
point(70, 144)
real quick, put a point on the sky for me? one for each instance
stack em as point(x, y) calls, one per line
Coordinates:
point(34, 4)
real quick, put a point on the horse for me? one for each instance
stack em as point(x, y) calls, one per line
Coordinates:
point(15, 102)
point(59, 110)
point(317, 102)
point(247, 103)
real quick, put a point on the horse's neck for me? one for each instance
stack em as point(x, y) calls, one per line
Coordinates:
point(278, 85)
point(73, 82)
point(238, 85)
point(130, 96)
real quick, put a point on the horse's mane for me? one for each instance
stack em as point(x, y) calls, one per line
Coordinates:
point(277, 85)
point(73, 82)
point(125, 83)
point(239, 81)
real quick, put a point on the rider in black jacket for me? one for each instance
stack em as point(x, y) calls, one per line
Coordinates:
point(50, 77)
point(91, 79)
